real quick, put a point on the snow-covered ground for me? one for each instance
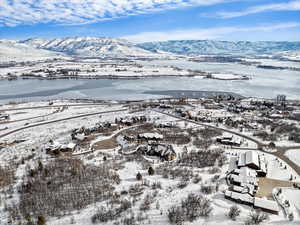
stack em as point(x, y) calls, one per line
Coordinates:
point(92, 69)
point(294, 155)
point(226, 76)
point(36, 138)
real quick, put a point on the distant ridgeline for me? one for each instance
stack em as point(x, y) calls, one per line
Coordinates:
point(220, 47)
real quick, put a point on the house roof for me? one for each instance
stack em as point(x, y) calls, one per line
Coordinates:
point(266, 204)
point(252, 158)
point(240, 196)
point(151, 135)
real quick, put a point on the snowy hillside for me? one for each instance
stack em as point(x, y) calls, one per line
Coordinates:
point(220, 47)
point(89, 46)
point(15, 51)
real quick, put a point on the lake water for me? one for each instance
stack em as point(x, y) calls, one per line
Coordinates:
point(265, 83)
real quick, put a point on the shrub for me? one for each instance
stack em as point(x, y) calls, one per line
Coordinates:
point(146, 203)
point(125, 204)
point(256, 217)
point(191, 208)
point(234, 212)
point(291, 216)
point(182, 184)
point(207, 189)
point(102, 215)
point(176, 215)
point(197, 179)
point(41, 220)
point(139, 176)
point(195, 206)
point(151, 171)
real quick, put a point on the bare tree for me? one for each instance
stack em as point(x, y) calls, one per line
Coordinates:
point(234, 212)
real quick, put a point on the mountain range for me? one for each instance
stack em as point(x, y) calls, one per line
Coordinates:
point(36, 48)
point(220, 47)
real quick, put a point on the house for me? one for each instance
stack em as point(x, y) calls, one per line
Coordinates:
point(239, 197)
point(250, 159)
point(54, 147)
point(266, 205)
point(4, 116)
point(165, 124)
point(79, 136)
point(242, 180)
point(165, 152)
point(150, 137)
point(228, 140)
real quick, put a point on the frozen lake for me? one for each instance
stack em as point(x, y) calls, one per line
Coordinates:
point(265, 83)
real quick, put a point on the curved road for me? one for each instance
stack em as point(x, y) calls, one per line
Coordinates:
point(279, 153)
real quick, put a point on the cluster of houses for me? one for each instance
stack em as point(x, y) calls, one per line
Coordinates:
point(150, 144)
point(81, 133)
point(243, 183)
point(129, 121)
point(54, 147)
point(144, 137)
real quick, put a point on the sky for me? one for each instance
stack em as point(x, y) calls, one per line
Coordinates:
point(152, 20)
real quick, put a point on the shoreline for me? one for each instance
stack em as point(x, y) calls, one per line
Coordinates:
point(204, 76)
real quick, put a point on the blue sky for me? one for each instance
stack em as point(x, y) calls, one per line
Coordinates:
point(152, 20)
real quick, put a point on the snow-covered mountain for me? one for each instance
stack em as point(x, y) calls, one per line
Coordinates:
point(220, 47)
point(11, 50)
point(40, 49)
point(89, 46)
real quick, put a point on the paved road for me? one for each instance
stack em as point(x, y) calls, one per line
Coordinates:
point(279, 153)
point(58, 120)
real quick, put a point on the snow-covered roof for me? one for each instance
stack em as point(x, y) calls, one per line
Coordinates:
point(243, 197)
point(238, 188)
point(266, 204)
point(151, 135)
point(80, 137)
point(252, 158)
point(71, 145)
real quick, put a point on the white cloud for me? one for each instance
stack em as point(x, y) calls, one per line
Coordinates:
point(285, 6)
point(210, 33)
point(16, 12)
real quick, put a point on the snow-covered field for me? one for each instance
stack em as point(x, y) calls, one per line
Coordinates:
point(89, 69)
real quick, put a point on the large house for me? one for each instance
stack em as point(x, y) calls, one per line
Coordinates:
point(150, 137)
point(164, 152)
point(250, 159)
point(242, 176)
